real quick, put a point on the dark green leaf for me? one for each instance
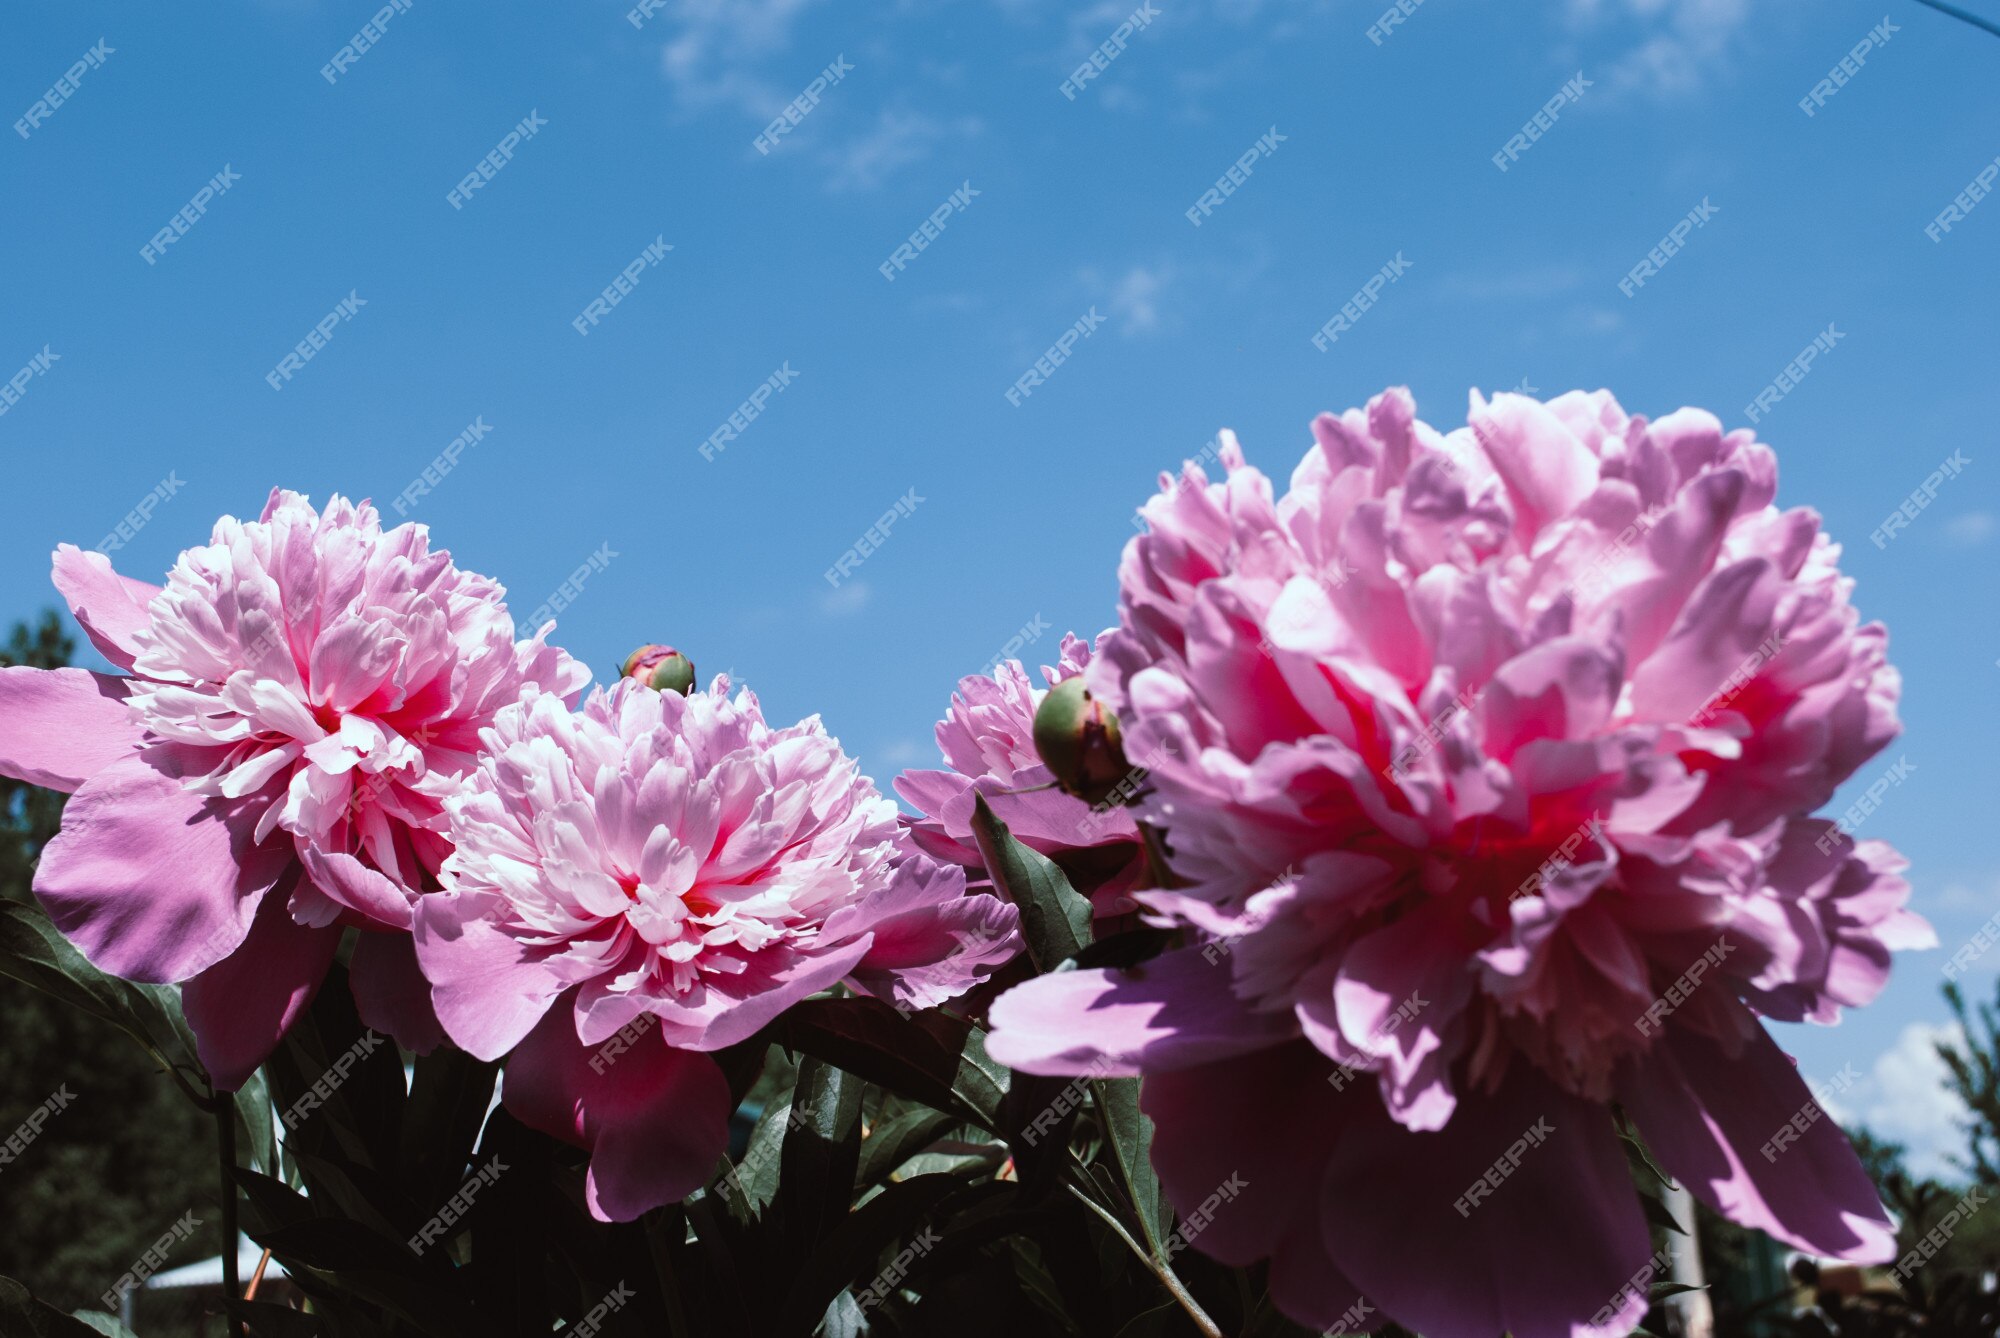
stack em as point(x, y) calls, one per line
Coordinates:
point(21, 1314)
point(1129, 1136)
point(931, 1063)
point(895, 1141)
point(257, 1124)
point(1055, 918)
point(844, 1319)
point(849, 1255)
point(450, 1092)
point(338, 1085)
point(822, 1147)
point(1659, 1214)
point(35, 953)
point(754, 1179)
point(103, 1322)
point(1662, 1290)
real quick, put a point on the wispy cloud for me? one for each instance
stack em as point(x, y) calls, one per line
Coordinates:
point(903, 752)
point(1134, 298)
point(1661, 48)
point(747, 57)
point(723, 52)
point(1971, 529)
point(1512, 285)
point(846, 600)
point(898, 138)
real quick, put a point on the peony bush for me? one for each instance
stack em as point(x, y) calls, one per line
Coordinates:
point(1362, 932)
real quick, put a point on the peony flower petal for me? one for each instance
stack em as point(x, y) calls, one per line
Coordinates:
point(390, 991)
point(60, 727)
point(929, 941)
point(1267, 1118)
point(358, 886)
point(1728, 1124)
point(152, 881)
point(1523, 1208)
point(240, 1007)
point(656, 1119)
point(1174, 1011)
point(111, 608)
point(722, 1012)
point(489, 987)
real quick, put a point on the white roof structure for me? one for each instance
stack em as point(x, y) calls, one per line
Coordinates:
point(208, 1272)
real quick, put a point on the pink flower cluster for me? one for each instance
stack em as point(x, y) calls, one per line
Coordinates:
point(323, 725)
point(1473, 782)
point(1485, 759)
point(673, 873)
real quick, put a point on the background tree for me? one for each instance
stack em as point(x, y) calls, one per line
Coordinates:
point(127, 1155)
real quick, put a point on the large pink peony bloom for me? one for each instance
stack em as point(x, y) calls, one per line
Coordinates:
point(987, 738)
point(1488, 756)
point(298, 700)
point(657, 876)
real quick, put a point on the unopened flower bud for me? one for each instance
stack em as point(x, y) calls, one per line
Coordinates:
point(661, 667)
point(1078, 739)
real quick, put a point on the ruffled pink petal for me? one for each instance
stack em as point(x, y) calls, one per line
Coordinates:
point(489, 988)
point(153, 882)
point(242, 1006)
point(929, 940)
point(390, 991)
point(1396, 1000)
point(1547, 471)
point(1547, 1248)
point(1048, 820)
point(1174, 1011)
point(60, 727)
point(721, 1012)
point(356, 886)
point(656, 1119)
point(1715, 1120)
point(110, 607)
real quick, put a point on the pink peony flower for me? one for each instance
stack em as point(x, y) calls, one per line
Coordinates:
point(298, 700)
point(987, 739)
point(1488, 756)
point(658, 876)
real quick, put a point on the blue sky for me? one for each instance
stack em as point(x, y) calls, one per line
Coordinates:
point(646, 133)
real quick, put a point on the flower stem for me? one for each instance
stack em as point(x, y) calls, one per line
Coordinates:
point(1159, 1269)
point(225, 1146)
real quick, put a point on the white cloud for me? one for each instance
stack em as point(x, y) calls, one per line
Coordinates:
point(722, 51)
point(1904, 1098)
point(844, 600)
point(1134, 297)
point(741, 55)
point(1971, 529)
point(1961, 899)
point(1676, 45)
point(902, 752)
point(1514, 285)
point(898, 138)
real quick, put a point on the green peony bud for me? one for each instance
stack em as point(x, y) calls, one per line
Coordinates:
point(1078, 739)
point(660, 667)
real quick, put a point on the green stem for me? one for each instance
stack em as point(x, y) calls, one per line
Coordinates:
point(225, 1143)
point(1160, 1270)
